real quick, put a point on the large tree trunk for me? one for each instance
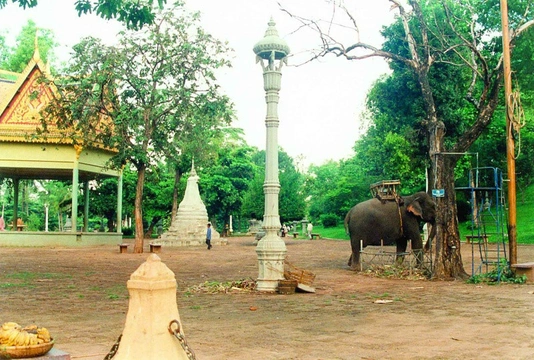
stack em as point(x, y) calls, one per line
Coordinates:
point(448, 261)
point(138, 210)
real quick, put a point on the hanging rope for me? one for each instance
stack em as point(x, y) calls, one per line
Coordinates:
point(517, 118)
point(399, 201)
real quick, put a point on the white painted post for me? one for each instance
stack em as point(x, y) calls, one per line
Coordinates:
point(46, 217)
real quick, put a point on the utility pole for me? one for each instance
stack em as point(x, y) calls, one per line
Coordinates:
point(510, 153)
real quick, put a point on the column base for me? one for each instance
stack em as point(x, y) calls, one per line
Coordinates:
point(271, 252)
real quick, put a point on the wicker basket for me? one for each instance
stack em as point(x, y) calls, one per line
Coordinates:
point(20, 352)
point(287, 286)
point(292, 272)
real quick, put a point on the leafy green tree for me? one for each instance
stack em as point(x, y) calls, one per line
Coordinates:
point(3, 50)
point(224, 182)
point(135, 14)
point(157, 197)
point(102, 200)
point(201, 139)
point(291, 197)
point(17, 58)
point(137, 96)
point(430, 40)
point(54, 195)
point(335, 187)
point(291, 203)
point(254, 199)
point(319, 181)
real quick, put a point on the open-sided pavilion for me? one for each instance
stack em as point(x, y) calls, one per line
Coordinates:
point(26, 156)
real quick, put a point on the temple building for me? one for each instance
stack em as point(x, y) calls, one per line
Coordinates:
point(26, 155)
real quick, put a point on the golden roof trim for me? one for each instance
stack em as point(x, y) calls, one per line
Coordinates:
point(24, 75)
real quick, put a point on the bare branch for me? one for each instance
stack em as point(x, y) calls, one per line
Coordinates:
point(329, 45)
point(515, 33)
point(353, 21)
point(409, 37)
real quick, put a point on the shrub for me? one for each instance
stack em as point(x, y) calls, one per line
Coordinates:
point(329, 220)
point(127, 231)
point(500, 273)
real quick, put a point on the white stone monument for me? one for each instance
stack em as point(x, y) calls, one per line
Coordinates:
point(189, 225)
point(151, 310)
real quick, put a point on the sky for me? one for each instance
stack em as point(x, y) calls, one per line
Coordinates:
point(321, 103)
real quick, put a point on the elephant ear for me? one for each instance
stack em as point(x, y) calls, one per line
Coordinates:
point(415, 208)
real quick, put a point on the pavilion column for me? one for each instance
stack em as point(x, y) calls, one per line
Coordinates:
point(74, 211)
point(119, 204)
point(86, 206)
point(16, 183)
point(75, 185)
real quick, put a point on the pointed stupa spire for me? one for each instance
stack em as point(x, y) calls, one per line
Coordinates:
point(189, 225)
point(193, 171)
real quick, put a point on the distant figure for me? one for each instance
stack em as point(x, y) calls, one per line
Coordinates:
point(208, 236)
point(284, 230)
point(2, 224)
point(310, 228)
point(20, 224)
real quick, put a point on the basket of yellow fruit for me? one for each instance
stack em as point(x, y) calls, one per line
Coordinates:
point(17, 342)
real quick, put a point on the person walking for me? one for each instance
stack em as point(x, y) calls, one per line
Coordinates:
point(310, 228)
point(208, 236)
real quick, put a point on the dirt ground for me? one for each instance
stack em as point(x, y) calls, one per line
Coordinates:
point(80, 295)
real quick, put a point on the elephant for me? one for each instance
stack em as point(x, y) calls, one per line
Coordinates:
point(394, 222)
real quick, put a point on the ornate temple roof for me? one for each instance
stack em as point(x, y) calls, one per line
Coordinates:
point(24, 153)
point(22, 97)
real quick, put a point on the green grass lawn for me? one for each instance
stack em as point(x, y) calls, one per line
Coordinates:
point(525, 212)
point(337, 232)
point(525, 223)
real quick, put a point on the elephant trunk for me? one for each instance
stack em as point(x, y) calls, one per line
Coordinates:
point(432, 235)
point(432, 230)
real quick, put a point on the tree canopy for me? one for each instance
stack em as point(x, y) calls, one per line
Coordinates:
point(139, 96)
point(291, 197)
point(134, 14)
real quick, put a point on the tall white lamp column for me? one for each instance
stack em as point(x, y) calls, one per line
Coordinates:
point(271, 52)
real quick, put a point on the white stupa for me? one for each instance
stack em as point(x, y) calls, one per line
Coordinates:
point(189, 225)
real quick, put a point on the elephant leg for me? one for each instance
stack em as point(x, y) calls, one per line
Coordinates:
point(354, 260)
point(401, 249)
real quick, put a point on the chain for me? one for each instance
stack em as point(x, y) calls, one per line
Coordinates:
point(114, 349)
point(177, 332)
